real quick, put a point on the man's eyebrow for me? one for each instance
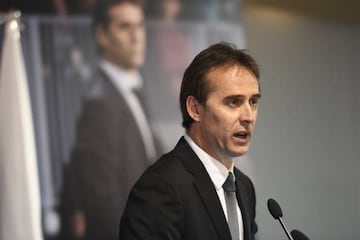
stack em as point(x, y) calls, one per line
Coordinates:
point(257, 95)
point(124, 24)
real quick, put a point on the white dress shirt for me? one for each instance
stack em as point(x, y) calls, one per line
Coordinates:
point(218, 174)
point(125, 84)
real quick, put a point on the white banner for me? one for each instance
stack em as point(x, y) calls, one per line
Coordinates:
point(20, 212)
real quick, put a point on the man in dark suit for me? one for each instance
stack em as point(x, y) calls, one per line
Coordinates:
point(194, 191)
point(114, 142)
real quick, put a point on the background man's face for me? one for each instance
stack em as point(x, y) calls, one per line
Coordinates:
point(123, 41)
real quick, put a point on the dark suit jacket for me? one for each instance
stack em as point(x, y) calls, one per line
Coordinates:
point(109, 156)
point(176, 199)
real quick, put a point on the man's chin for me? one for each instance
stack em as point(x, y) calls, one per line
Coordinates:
point(240, 150)
point(136, 64)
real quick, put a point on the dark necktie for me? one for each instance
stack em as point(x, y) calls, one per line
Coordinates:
point(231, 206)
point(140, 96)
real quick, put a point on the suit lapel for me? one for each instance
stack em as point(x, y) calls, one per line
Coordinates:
point(213, 206)
point(240, 195)
point(120, 101)
point(205, 189)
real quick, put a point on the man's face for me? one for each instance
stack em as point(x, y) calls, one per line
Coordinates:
point(123, 40)
point(227, 121)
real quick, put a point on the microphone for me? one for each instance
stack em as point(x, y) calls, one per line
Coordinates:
point(275, 211)
point(297, 235)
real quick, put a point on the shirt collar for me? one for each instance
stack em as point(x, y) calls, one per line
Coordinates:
point(120, 77)
point(216, 170)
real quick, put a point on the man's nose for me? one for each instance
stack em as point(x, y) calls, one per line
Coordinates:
point(136, 34)
point(247, 114)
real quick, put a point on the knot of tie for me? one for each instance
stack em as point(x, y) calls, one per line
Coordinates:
point(229, 184)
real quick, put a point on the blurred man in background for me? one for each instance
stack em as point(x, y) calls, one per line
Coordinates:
point(114, 139)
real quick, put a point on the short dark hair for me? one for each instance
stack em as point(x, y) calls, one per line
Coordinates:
point(194, 81)
point(102, 7)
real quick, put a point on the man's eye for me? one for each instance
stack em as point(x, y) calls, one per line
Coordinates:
point(233, 102)
point(123, 26)
point(254, 101)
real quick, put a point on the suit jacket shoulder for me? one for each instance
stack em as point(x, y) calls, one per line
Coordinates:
point(107, 159)
point(176, 199)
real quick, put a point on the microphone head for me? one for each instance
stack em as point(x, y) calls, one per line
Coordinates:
point(297, 235)
point(274, 208)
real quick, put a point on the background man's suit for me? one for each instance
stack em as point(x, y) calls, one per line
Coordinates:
point(109, 156)
point(176, 199)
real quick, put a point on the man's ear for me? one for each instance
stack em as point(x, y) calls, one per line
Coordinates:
point(193, 108)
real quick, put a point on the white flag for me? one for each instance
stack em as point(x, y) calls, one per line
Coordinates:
point(20, 213)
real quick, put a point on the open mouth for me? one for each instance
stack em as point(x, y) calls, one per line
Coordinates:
point(242, 135)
